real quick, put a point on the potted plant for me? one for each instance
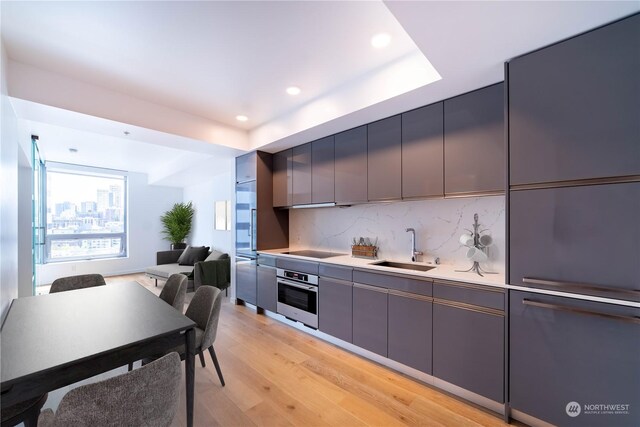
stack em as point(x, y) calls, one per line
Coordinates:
point(176, 224)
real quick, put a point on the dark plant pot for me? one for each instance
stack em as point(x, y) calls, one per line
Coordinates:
point(175, 246)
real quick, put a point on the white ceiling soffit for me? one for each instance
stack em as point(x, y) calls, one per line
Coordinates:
point(216, 60)
point(468, 43)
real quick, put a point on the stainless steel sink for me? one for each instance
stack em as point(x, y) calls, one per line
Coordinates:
point(402, 265)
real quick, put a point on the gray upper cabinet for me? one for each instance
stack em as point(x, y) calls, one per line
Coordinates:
point(351, 165)
point(302, 174)
point(282, 178)
point(410, 330)
point(246, 167)
point(574, 107)
point(423, 152)
point(323, 170)
point(384, 159)
point(565, 350)
point(474, 146)
point(267, 288)
point(577, 239)
point(370, 318)
point(335, 309)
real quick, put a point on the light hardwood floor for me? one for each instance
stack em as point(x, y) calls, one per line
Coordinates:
point(279, 376)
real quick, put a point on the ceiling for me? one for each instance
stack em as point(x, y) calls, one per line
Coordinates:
point(199, 64)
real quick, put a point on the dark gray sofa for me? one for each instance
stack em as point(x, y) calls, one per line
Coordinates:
point(215, 272)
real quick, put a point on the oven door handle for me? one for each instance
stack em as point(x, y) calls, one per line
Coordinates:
point(296, 285)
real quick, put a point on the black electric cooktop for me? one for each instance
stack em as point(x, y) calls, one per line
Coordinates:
point(313, 254)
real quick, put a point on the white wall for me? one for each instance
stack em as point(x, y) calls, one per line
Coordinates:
point(8, 193)
point(146, 204)
point(25, 232)
point(204, 195)
point(438, 225)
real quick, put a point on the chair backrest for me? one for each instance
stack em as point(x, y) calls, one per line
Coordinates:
point(76, 282)
point(204, 310)
point(143, 397)
point(175, 291)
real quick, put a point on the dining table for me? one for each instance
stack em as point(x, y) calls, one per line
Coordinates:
point(55, 340)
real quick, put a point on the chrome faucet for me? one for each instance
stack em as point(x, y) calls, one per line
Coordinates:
point(414, 252)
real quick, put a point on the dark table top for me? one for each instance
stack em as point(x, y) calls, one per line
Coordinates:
point(47, 332)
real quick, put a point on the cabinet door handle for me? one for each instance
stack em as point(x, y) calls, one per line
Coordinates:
point(634, 293)
point(630, 319)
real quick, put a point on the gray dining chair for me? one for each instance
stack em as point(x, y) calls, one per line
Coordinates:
point(204, 310)
point(145, 397)
point(174, 291)
point(72, 283)
point(26, 412)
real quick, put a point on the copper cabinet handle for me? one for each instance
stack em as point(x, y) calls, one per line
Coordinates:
point(581, 286)
point(569, 309)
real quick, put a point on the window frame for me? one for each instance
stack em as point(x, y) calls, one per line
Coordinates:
point(82, 170)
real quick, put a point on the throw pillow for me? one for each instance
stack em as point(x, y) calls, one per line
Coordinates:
point(215, 255)
point(193, 254)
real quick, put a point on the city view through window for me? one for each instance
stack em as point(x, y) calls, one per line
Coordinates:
point(86, 216)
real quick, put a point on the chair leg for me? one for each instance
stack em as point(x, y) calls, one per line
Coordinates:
point(201, 354)
point(130, 366)
point(156, 283)
point(32, 419)
point(212, 352)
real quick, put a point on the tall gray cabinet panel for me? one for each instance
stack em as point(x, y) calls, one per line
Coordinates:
point(410, 330)
point(566, 238)
point(384, 159)
point(322, 170)
point(335, 309)
point(565, 350)
point(282, 178)
point(423, 152)
point(246, 277)
point(370, 318)
point(474, 145)
point(468, 349)
point(351, 165)
point(302, 174)
point(267, 288)
point(574, 107)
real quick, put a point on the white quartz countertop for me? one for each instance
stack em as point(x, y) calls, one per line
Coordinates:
point(444, 272)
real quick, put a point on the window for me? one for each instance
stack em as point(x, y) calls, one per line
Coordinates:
point(86, 211)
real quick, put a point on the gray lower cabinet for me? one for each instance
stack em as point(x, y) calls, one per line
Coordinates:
point(302, 174)
point(282, 179)
point(335, 308)
point(267, 288)
point(574, 107)
point(474, 145)
point(422, 152)
point(568, 357)
point(351, 165)
point(323, 171)
point(246, 278)
point(468, 348)
point(384, 159)
point(410, 332)
point(370, 318)
point(577, 239)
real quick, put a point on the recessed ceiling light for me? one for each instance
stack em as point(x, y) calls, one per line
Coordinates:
point(73, 150)
point(242, 118)
point(380, 40)
point(293, 90)
point(126, 132)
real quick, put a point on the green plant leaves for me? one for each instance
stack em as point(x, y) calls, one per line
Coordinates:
point(177, 222)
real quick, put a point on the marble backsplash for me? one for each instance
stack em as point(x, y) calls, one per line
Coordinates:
point(438, 225)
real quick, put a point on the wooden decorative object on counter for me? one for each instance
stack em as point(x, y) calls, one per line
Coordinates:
point(364, 251)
